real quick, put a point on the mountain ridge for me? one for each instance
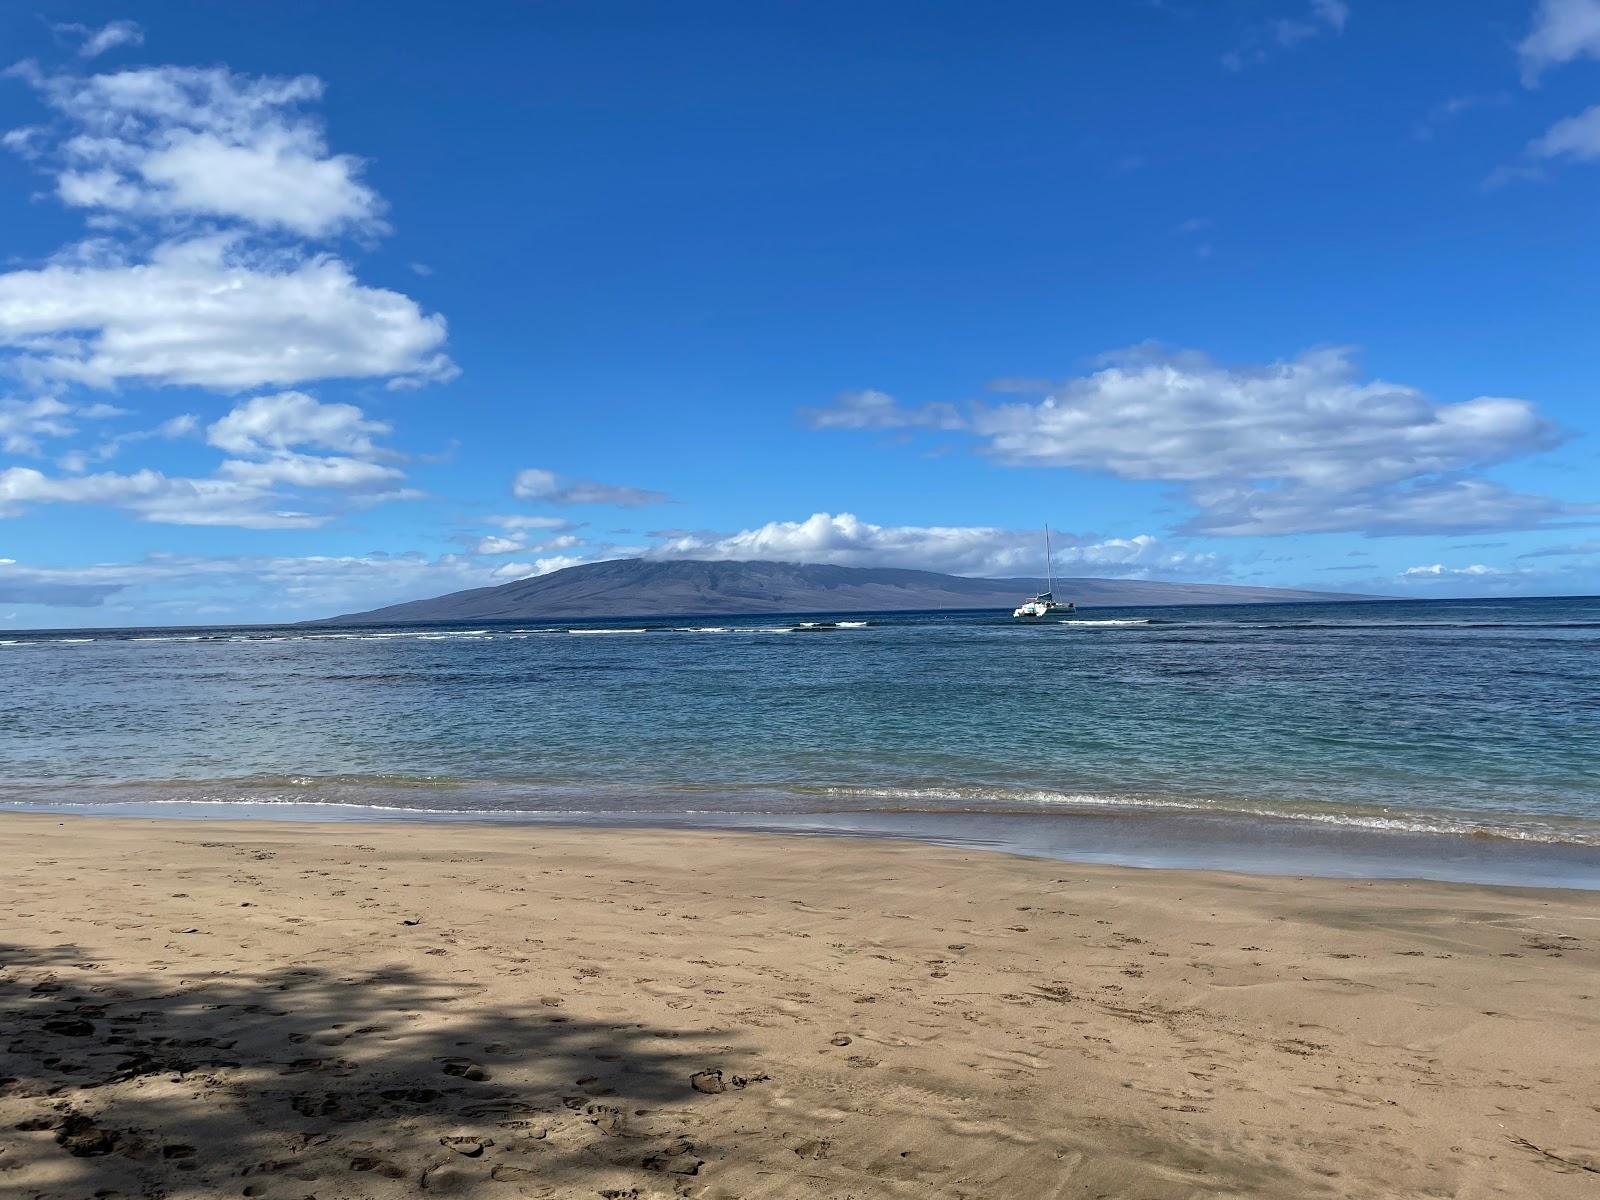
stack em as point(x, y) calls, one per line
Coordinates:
point(633, 587)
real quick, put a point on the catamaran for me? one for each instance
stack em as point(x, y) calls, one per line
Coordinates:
point(1045, 603)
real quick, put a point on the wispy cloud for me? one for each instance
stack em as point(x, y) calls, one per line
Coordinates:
point(536, 483)
point(1448, 111)
point(870, 409)
point(1567, 550)
point(94, 41)
point(1318, 19)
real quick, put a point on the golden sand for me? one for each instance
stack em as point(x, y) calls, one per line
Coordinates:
point(355, 1010)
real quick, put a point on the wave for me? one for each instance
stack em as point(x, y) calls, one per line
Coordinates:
point(425, 796)
point(1026, 801)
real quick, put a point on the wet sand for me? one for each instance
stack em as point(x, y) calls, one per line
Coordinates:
point(223, 1009)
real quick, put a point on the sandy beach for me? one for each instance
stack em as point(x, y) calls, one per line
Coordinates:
point(262, 1009)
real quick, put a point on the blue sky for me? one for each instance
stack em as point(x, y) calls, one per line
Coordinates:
point(307, 308)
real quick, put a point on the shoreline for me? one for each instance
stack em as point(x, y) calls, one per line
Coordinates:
point(203, 1007)
point(1152, 838)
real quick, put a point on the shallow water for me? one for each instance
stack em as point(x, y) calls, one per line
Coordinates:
point(1326, 726)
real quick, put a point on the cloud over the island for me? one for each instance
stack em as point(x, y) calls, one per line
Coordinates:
point(844, 539)
point(1296, 446)
point(537, 483)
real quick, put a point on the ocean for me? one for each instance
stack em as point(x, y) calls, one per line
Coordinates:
point(1451, 739)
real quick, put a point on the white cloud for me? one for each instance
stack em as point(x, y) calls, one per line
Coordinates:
point(512, 571)
point(1440, 571)
point(846, 540)
point(24, 422)
point(1575, 137)
point(536, 483)
point(1563, 30)
point(871, 409)
point(312, 471)
point(499, 545)
point(1298, 446)
point(190, 142)
point(193, 177)
point(246, 490)
point(520, 521)
point(517, 544)
point(275, 423)
point(209, 313)
point(95, 42)
point(155, 497)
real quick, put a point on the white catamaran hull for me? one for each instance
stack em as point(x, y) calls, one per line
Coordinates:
point(1035, 609)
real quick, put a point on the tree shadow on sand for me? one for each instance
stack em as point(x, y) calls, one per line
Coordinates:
point(301, 1082)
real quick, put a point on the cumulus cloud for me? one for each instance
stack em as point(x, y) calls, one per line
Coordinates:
point(267, 430)
point(192, 142)
point(247, 491)
point(1305, 445)
point(203, 184)
point(1563, 30)
point(536, 483)
point(212, 313)
point(512, 571)
point(277, 422)
point(846, 540)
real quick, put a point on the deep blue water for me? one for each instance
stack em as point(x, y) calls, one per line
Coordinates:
point(1444, 718)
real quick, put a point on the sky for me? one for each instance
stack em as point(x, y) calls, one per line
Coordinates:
point(310, 308)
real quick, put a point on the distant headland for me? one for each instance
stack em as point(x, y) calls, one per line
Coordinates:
point(639, 587)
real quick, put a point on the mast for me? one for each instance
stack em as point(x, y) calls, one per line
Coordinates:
point(1049, 569)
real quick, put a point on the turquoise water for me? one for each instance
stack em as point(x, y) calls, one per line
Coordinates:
point(1441, 719)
